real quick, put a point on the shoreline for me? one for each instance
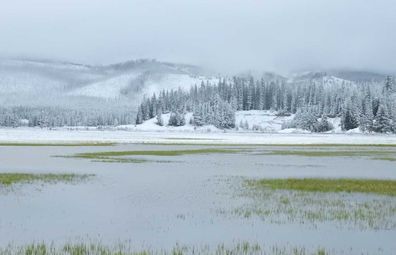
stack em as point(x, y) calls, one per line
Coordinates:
point(78, 136)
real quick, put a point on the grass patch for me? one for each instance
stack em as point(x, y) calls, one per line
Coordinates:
point(9, 179)
point(343, 203)
point(117, 156)
point(382, 187)
point(243, 248)
point(269, 145)
point(152, 153)
point(57, 144)
point(333, 153)
point(385, 158)
point(130, 160)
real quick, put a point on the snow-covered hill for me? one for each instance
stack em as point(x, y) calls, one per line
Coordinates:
point(47, 92)
point(23, 78)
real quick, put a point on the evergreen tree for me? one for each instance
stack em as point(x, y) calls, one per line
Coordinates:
point(388, 87)
point(382, 122)
point(160, 121)
point(139, 116)
point(176, 119)
point(349, 120)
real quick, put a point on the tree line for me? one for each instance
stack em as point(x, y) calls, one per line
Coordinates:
point(59, 117)
point(371, 106)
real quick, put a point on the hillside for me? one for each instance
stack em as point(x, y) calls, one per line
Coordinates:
point(38, 92)
point(102, 94)
point(24, 78)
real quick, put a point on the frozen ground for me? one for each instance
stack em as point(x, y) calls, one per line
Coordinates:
point(174, 135)
point(266, 125)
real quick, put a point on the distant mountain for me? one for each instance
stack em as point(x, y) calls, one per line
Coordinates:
point(43, 85)
point(355, 76)
point(48, 82)
point(359, 75)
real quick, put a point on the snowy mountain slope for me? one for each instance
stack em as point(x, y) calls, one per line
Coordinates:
point(15, 82)
point(27, 78)
point(31, 77)
point(175, 81)
point(346, 75)
point(109, 88)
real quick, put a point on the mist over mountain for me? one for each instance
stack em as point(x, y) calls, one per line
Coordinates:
point(36, 82)
point(71, 94)
point(48, 82)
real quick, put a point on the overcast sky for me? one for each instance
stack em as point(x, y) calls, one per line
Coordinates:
point(233, 35)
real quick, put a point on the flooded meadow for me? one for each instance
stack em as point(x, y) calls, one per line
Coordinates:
point(197, 199)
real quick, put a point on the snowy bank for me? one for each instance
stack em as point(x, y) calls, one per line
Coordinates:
point(37, 135)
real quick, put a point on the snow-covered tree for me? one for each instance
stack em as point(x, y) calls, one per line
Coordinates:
point(176, 119)
point(382, 122)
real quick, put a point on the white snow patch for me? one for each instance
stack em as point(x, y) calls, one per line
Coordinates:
point(294, 131)
point(265, 121)
point(336, 122)
point(18, 82)
point(175, 81)
point(63, 135)
point(110, 88)
point(152, 125)
point(354, 131)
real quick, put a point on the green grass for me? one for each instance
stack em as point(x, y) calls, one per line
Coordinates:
point(117, 156)
point(382, 187)
point(270, 145)
point(386, 158)
point(57, 144)
point(343, 203)
point(333, 153)
point(9, 179)
point(152, 153)
point(242, 248)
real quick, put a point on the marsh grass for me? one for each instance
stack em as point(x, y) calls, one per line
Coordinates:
point(153, 153)
point(130, 160)
point(292, 145)
point(330, 153)
point(285, 202)
point(57, 144)
point(381, 187)
point(9, 179)
point(120, 156)
point(241, 248)
point(386, 158)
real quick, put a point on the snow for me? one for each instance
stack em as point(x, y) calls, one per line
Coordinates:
point(171, 136)
point(354, 131)
point(266, 121)
point(263, 121)
point(14, 82)
point(150, 132)
point(108, 89)
point(336, 122)
point(151, 125)
point(175, 81)
point(294, 131)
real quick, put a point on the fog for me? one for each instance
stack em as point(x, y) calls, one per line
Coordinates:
point(227, 35)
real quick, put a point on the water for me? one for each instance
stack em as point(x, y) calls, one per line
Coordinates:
point(160, 204)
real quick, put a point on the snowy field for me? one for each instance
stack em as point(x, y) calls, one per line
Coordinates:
point(253, 127)
point(171, 136)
